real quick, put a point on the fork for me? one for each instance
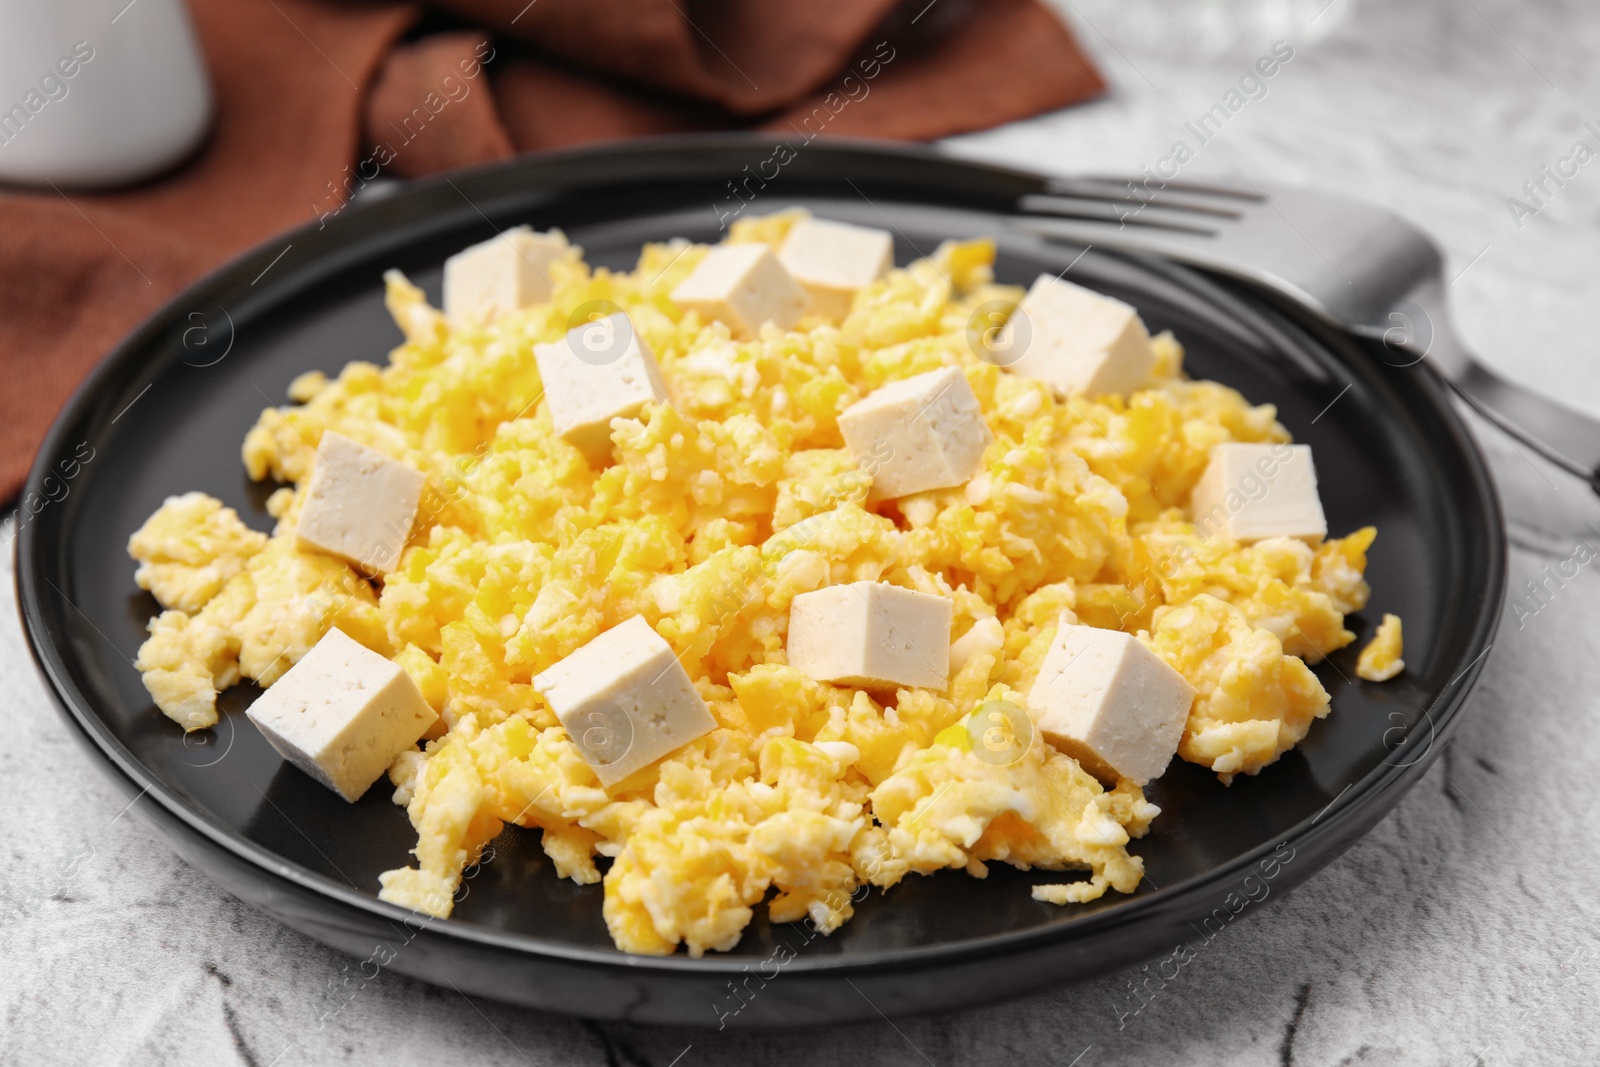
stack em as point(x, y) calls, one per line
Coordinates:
point(1360, 267)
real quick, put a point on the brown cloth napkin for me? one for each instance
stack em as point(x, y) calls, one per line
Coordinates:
point(311, 93)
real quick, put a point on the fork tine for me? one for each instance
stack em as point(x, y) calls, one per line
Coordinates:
point(1201, 199)
point(1122, 213)
point(1047, 203)
point(1225, 190)
point(1179, 244)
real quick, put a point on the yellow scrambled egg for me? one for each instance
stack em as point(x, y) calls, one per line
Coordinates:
point(1380, 660)
point(719, 509)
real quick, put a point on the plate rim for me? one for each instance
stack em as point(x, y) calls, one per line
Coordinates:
point(125, 359)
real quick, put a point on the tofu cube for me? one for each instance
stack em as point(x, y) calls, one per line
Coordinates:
point(599, 371)
point(832, 260)
point(871, 634)
point(744, 286)
point(625, 700)
point(1077, 340)
point(342, 714)
point(1250, 492)
point(919, 433)
point(360, 504)
point(1105, 699)
point(505, 273)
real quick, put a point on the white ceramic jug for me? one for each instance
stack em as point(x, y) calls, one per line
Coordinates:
point(95, 93)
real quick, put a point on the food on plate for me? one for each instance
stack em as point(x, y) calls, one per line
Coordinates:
point(919, 433)
point(625, 700)
point(343, 714)
point(871, 635)
point(1380, 660)
point(833, 261)
point(1080, 341)
point(190, 549)
point(1253, 701)
point(359, 505)
point(1252, 492)
point(506, 273)
point(752, 585)
point(599, 371)
point(743, 286)
point(1102, 697)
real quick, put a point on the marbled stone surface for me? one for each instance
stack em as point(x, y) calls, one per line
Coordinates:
point(1464, 930)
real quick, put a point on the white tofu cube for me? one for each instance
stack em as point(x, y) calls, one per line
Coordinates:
point(625, 700)
point(871, 634)
point(1250, 492)
point(359, 505)
point(600, 371)
point(342, 714)
point(1076, 340)
point(919, 433)
point(1109, 702)
point(505, 273)
point(832, 260)
point(744, 286)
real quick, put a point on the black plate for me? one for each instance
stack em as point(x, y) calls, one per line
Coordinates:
point(166, 414)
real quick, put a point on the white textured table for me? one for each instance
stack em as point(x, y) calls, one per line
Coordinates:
point(1464, 929)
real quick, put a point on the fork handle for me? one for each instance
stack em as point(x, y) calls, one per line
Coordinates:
point(1564, 437)
point(1531, 420)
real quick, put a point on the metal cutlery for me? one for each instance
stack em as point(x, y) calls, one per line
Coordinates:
point(1361, 267)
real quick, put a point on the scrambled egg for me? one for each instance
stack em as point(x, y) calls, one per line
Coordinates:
point(719, 509)
point(1380, 660)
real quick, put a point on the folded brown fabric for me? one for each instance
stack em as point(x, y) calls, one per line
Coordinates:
point(78, 271)
point(748, 56)
point(307, 88)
